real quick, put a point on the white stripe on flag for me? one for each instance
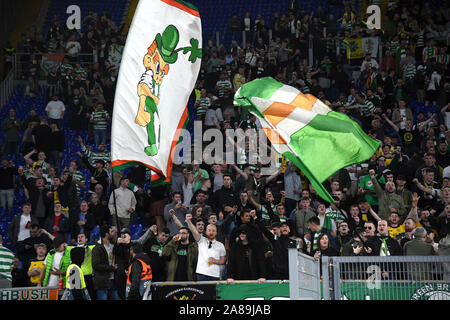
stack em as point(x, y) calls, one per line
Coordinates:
point(286, 94)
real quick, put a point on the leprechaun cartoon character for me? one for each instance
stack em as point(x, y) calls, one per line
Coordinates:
point(161, 53)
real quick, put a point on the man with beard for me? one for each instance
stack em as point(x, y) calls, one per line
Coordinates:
point(387, 198)
point(182, 255)
point(211, 253)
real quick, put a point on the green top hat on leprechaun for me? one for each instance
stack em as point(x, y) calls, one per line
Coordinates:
point(167, 43)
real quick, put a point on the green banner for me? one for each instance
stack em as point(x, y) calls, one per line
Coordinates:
point(392, 290)
point(253, 291)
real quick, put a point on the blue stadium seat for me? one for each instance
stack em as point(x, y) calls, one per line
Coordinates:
point(136, 230)
point(95, 235)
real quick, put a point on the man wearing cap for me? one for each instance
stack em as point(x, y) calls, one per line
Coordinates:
point(245, 259)
point(257, 184)
point(98, 173)
point(280, 244)
point(160, 54)
point(124, 200)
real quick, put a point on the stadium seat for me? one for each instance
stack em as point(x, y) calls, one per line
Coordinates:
point(95, 235)
point(136, 230)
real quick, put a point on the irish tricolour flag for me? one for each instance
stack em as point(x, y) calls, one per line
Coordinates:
point(159, 67)
point(316, 139)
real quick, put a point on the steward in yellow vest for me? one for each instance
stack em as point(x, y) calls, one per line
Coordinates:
point(75, 284)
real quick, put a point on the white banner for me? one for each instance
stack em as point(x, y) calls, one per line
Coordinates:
point(159, 68)
point(370, 45)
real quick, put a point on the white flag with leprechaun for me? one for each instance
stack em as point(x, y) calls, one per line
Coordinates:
point(159, 68)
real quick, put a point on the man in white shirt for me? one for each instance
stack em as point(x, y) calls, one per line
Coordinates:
point(211, 253)
point(19, 229)
point(125, 201)
point(369, 62)
point(55, 111)
point(73, 47)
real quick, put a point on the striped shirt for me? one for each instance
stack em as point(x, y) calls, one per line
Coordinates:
point(420, 39)
point(222, 86)
point(443, 58)
point(101, 119)
point(429, 52)
point(367, 108)
point(64, 67)
point(203, 105)
point(394, 45)
point(6, 262)
point(409, 71)
point(94, 156)
point(79, 176)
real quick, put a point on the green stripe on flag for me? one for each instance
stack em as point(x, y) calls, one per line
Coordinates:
point(330, 143)
point(263, 88)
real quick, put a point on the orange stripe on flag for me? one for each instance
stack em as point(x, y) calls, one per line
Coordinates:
point(277, 111)
point(183, 7)
point(274, 137)
point(304, 101)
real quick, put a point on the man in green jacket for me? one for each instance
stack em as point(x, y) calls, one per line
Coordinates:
point(183, 257)
point(388, 199)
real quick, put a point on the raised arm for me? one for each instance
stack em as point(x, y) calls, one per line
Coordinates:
point(393, 125)
point(376, 185)
point(242, 173)
point(197, 236)
point(275, 175)
point(413, 214)
point(373, 213)
point(422, 187)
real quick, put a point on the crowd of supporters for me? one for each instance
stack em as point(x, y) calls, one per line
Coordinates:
point(228, 221)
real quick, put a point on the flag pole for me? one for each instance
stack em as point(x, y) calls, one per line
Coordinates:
point(114, 200)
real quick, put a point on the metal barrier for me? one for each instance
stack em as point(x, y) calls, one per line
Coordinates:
point(304, 276)
point(6, 88)
point(221, 290)
point(387, 278)
point(23, 60)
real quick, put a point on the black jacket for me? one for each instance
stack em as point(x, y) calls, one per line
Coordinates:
point(100, 176)
point(246, 262)
point(101, 267)
point(224, 197)
point(375, 244)
point(280, 252)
